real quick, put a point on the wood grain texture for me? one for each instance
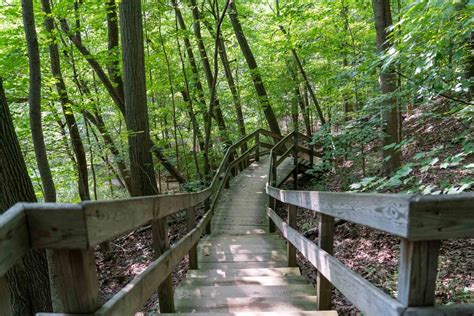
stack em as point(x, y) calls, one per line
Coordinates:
point(77, 285)
point(57, 225)
point(326, 242)
point(386, 212)
point(14, 237)
point(417, 272)
point(131, 298)
point(292, 223)
point(441, 217)
point(366, 297)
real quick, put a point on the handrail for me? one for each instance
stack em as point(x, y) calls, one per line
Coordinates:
point(421, 221)
point(81, 226)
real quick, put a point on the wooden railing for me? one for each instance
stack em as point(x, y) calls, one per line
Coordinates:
point(420, 222)
point(71, 231)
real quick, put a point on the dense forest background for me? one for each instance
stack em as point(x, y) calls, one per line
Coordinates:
point(383, 88)
point(314, 59)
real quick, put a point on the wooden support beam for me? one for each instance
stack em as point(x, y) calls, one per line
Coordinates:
point(369, 299)
point(257, 147)
point(292, 223)
point(77, 287)
point(326, 242)
point(417, 272)
point(191, 223)
point(160, 246)
point(295, 162)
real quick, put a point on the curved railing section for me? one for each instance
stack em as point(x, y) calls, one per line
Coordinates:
point(420, 221)
point(72, 230)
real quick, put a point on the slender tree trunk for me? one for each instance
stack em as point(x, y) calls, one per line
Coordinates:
point(300, 101)
point(35, 102)
point(254, 71)
point(388, 85)
point(66, 104)
point(28, 282)
point(118, 100)
point(216, 111)
point(113, 67)
point(230, 80)
point(142, 172)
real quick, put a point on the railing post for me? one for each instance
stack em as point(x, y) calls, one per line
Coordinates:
point(257, 147)
point(291, 223)
point(160, 245)
point(76, 281)
point(295, 162)
point(311, 153)
point(417, 272)
point(207, 206)
point(326, 242)
point(191, 223)
point(271, 200)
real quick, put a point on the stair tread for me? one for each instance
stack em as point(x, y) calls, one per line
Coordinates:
point(258, 313)
point(192, 291)
point(247, 304)
point(255, 280)
point(209, 273)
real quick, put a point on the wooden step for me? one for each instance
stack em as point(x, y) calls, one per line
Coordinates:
point(215, 292)
point(256, 313)
point(248, 304)
point(244, 257)
point(242, 265)
point(257, 280)
point(242, 249)
point(246, 272)
point(233, 230)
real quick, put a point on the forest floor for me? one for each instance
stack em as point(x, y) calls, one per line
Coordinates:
point(372, 254)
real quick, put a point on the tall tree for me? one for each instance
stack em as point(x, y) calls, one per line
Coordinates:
point(66, 104)
point(142, 173)
point(388, 85)
point(254, 71)
point(36, 126)
point(28, 280)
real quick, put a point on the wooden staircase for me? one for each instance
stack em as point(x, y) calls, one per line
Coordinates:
point(243, 269)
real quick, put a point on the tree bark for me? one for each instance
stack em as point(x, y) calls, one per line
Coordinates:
point(136, 116)
point(254, 71)
point(66, 105)
point(113, 67)
point(28, 280)
point(49, 190)
point(388, 85)
point(217, 112)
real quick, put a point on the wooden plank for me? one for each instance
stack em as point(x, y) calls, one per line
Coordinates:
point(253, 313)
point(57, 226)
point(386, 212)
point(292, 223)
point(244, 257)
point(441, 217)
point(365, 296)
point(191, 223)
point(325, 242)
point(448, 310)
point(206, 292)
point(132, 297)
point(106, 219)
point(77, 286)
point(14, 237)
point(248, 304)
point(417, 272)
point(246, 272)
point(256, 280)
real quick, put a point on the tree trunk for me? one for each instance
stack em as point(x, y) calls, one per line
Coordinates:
point(136, 116)
point(217, 112)
point(118, 100)
point(66, 104)
point(113, 67)
point(388, 85)
point(28, 280)
point(230, 80)
point(254, 71)
point(36, 126)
